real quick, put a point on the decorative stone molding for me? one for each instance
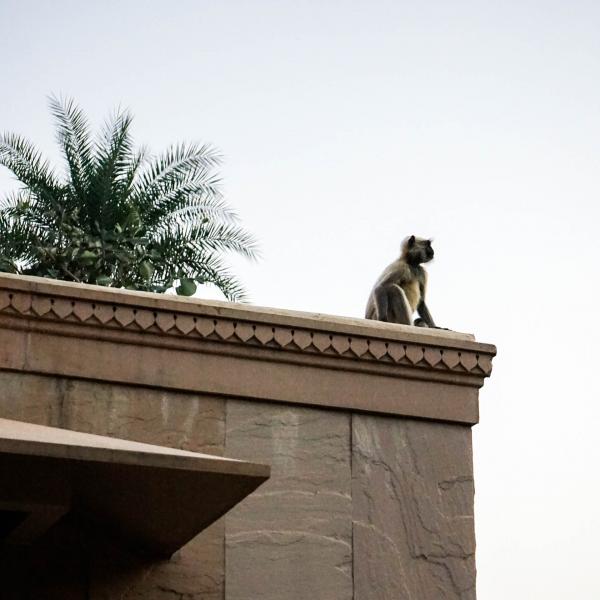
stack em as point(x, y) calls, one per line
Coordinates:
point(444, 356)
point(124, 319)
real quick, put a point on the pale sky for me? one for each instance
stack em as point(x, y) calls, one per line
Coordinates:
point(348, 125)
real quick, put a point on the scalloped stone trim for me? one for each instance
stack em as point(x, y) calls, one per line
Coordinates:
point(46, 307)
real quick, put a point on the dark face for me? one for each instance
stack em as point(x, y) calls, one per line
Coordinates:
point(419, 250)
point(428, 251)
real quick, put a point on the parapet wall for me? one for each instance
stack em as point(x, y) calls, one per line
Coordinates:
point(366, 427)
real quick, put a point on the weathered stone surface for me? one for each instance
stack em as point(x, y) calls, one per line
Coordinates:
point(174, 419)
point(406, 485)
point(160, 417)
point(165, 418)
point(79, 563)
point(413, 510)
point(170, 419)
point(292, 537)
point(31, 398)
point(196, 572)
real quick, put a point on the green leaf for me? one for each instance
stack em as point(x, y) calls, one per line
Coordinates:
point(146, 270)
point(88, 257)
point(187, 287)
point(103, 280)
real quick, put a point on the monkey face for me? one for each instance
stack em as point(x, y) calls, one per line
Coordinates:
point(418, 250)
point(428, 251)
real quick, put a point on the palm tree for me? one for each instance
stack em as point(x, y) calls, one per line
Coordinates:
point(118, 217)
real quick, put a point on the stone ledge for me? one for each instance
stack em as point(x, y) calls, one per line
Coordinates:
point(341, 362)
point(154, 498)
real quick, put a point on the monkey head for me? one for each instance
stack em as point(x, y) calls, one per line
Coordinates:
point(417, 250)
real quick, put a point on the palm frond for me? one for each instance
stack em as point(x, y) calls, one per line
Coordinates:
point(27, 164)
point(181, 164)
point(74, 137)
point(183, 196)
point(203, 208)
point(202, 268)
point(18, 242)
point(213, 237)
point(14, 202)
point(200, 259)
point(138, 161)
point(213, 270)
point(114, 169)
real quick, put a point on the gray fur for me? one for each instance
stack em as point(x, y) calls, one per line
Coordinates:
point(401, 288)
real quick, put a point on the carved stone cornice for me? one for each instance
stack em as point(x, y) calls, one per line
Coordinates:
point(113, 320)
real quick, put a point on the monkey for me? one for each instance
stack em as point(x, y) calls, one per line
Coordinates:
point(400, 289)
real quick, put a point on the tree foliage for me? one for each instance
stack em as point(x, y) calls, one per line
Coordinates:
point(117, 216)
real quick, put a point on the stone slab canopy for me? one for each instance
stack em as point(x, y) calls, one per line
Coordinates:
point(153, 498)
point(278, 356)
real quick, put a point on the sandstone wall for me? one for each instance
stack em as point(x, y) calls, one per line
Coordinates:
point(367, 429)
point(358, 506)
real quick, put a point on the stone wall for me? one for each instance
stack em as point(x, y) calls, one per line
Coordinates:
point(160, 417)
point(366, 500)
point(358, 506)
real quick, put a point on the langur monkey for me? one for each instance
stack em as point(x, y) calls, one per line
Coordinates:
point(400, 289)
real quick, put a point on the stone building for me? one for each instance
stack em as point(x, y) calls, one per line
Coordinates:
point(227, 452)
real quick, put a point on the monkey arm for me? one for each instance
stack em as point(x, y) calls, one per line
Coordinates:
point(422, 309)
point(425, 314)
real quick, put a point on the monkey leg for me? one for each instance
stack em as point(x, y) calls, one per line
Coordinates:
point(380, 297)
point(398, 308)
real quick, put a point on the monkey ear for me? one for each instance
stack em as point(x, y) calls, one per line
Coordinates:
point(411, 241)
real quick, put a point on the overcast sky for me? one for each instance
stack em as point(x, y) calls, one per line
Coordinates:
point(348, 125)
